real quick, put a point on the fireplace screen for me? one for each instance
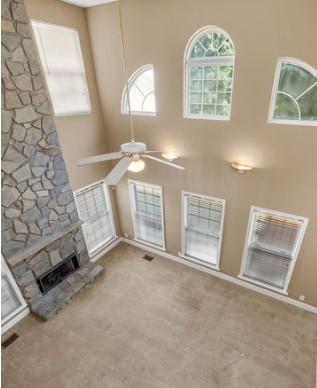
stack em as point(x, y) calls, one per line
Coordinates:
point(58, 273)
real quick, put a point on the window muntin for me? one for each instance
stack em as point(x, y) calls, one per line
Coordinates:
point(142, 92)
point(94, 208)
point(202, 228)
point(272, 246)
point(209, 68)
point(294, 95)
point(147, 213)
point(61, 59)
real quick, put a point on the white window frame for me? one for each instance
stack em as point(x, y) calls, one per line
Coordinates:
point(105, 244)
point(295, 62)
point(187, 62)
point(13, 317)
point(73, 112)
point(131, 81)
point(131, 184)
point(253, 210)
point(183, 234)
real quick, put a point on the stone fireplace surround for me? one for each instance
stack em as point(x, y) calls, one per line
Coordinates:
point(40, 223)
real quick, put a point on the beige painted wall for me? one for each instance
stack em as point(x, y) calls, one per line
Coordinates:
point(285, 157)
point(83, 135)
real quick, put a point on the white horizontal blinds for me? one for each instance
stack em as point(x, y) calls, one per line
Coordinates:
point(148, 214)
point(61, 59)
point(9, 299)
point(203, 227)
point(94, 210)
point(272, 247)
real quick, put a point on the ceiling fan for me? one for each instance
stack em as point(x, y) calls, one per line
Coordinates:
point(131, 154)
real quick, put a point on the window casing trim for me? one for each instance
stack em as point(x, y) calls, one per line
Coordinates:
point(87, 111)
point(106, 243)
point(131, 81)
point(248, 237)
point(187, 63)
point(280, 62)
point(131, 183)
point(183, 219)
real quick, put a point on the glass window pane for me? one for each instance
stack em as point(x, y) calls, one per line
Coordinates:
point(222, 110)
point(60, 55)
point(295, 80)
point(195, 108)
point(285, 108)
point(308, 104)
point(210, 78)
point(142, 93)
point(209, 109)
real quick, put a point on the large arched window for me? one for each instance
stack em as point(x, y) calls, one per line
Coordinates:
point(209, 67)
point(294, 95)
point(141, 91)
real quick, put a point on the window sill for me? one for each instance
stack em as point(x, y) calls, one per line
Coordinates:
point(267, 286)
point(101, 247)
point(202, 117)
point(73, 114)
point(199, 262)
point(293, 122)
point(150, 114)
point(163, 249)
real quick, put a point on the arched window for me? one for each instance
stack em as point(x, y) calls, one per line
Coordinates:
point(294, 95)
point(142, 92)
point(209, 67)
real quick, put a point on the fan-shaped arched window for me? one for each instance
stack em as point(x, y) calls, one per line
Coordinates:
point(294, 95)
point(209, 67)
point(141, 91)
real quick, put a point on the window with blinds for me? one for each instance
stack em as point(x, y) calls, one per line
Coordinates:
point(93, 204)
point(147, 213)
point(202, 227)
point(273, 243)
point(61, 58)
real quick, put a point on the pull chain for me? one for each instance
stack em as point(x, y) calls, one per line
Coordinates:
point(125, 72)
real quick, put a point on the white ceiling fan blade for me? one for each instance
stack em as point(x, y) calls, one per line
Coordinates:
point(152, 152)
point(164, 162)
point(118, 171)
point(99, 158)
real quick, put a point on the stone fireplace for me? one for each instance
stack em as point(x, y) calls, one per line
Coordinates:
point(40, 223)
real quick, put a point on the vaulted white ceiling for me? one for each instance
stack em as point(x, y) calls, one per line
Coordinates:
point(87, 3)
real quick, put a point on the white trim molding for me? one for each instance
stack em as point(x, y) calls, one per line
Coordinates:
point(105, 189)
point(133, 78)
point(131, 186)
point(183, 223)
point(188, 62)
point(275, 92)
point(253, 211)
point(223, 276)
point(107, 249)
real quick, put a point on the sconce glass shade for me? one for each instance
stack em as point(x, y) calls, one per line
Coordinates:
point(241, 168)
point(171, 156)
point(136, 166)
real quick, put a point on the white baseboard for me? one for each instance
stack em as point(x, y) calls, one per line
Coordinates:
point(106, 250)
point(13, 321)
point(224, 276)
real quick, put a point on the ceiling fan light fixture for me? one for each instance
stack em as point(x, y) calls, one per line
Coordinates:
point(171, 156)
point(136, 165)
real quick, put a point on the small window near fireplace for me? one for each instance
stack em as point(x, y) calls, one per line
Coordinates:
point(58, 273)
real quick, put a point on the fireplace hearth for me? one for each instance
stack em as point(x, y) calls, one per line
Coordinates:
point(58, 273)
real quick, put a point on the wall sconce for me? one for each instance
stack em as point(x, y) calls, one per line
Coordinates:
point(171, 156)
point(241, 168)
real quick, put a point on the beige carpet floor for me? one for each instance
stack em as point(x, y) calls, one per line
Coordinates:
point(161, 324)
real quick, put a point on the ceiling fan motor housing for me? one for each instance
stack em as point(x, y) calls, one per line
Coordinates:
point(133, 147)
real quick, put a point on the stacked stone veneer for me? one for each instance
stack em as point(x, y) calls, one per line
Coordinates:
point(37, 200)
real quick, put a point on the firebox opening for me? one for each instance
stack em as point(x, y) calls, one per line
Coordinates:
point(58, 273)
